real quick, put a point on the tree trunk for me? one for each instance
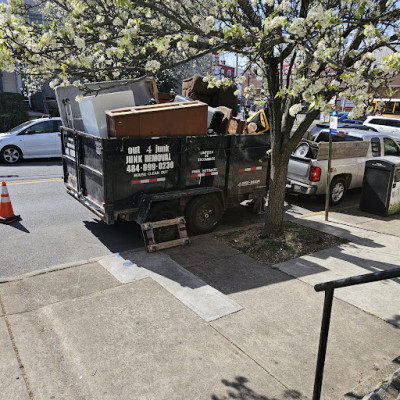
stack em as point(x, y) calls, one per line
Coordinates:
point(273, 226)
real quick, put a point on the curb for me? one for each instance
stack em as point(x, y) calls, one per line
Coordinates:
point(50, 269)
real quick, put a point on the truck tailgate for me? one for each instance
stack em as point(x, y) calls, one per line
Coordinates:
point(299, 169)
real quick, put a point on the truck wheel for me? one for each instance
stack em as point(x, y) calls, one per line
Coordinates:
point(337, 190)
point(161, 212)
point(11, 154)
point(203, 213)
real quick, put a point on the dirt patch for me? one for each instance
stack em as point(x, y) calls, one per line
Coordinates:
point(296, 241)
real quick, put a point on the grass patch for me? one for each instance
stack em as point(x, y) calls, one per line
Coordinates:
point(296, 241)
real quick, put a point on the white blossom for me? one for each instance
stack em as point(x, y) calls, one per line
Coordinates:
point(295, 109)
point(117, 21)
point(153, 65)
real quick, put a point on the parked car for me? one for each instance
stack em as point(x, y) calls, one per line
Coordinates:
point(384, 124)
point(32, 139)
point(343, 117)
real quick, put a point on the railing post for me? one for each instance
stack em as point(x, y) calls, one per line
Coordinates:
point(323, 341)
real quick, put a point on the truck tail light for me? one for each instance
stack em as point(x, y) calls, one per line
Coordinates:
point(315, 174)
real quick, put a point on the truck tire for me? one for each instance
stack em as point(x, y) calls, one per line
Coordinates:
point(203, 214)
point(338, 190)
point(160, 212)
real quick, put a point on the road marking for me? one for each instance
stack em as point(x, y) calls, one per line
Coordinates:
point(34, 181)
point(335, 210)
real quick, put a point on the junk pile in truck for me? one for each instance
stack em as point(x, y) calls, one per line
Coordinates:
point(158, 161)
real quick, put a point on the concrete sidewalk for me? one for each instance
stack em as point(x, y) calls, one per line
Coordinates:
point(203, 322)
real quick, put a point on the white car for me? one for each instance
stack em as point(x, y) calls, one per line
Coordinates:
point(384, 124)
point(32, 139)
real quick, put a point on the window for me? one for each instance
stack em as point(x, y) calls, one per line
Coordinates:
point(376, 147)
point(390, 122)
point(390, 147)
point(56, 126)
point(397, 175)
point(35, 18)
point(396, 108)
point(41, 127)
point(376, 121)
point(388, 107)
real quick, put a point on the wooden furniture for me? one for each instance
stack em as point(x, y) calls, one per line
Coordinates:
point(168, 119)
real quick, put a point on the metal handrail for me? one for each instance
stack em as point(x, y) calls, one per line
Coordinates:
point(329, 288)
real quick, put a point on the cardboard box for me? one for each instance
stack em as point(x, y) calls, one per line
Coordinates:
point(236, 126)
point(168, 119)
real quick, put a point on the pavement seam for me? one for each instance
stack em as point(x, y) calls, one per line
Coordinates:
point(16, 351)
point(255, 361)
point(337, 222)
point(70, 299)
point(53, 268)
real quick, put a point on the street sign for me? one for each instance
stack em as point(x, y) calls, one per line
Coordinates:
point(333, 123)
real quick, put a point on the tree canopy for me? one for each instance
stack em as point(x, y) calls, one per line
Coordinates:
point(304, 50)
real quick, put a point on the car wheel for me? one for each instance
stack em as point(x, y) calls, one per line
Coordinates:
point(11, 155)
point(203, 214)
point(161, 212)
point(337, 190)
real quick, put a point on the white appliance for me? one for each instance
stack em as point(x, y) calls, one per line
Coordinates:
point(93, 110)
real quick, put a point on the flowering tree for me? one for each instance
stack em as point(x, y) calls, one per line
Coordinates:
point(306, 51)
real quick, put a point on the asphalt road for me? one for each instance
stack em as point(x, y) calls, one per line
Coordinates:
point(56, 229)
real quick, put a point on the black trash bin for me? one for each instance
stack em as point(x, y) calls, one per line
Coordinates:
point(381, 186)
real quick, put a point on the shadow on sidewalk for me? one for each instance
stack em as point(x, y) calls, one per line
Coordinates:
point(239, 389)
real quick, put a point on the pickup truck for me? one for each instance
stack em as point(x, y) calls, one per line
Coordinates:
point(308, 166)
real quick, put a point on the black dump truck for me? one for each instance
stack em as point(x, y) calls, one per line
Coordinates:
point(162, 178)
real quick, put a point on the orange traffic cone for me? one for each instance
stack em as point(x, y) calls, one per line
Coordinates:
point(6, 211)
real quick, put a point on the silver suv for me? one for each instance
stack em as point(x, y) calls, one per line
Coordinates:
point(384, 124)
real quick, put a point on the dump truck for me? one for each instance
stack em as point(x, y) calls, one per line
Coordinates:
point(149, 179)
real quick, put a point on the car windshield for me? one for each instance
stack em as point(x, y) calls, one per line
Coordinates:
point(19, 127)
